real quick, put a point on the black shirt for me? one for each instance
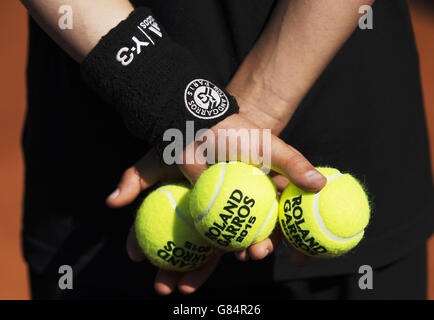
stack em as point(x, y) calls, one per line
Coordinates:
point(364, 115)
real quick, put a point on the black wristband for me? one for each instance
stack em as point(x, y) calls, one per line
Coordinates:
point(153, 82)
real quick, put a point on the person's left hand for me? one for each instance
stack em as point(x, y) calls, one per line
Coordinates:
point(147, 172)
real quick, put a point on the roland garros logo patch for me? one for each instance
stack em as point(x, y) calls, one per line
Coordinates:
point(205, 100)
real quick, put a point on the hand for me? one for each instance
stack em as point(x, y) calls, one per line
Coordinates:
point(150, 169)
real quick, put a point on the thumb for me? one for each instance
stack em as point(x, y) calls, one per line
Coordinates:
point(291, 163)
point(193, 164)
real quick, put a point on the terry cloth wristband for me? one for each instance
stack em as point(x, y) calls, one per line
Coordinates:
point(153, 82)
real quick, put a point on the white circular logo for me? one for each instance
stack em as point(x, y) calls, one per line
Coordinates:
point(205, 100)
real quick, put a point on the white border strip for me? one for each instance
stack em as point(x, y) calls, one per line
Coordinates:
point(215, 194)
point(178, 212)
point(320, 221)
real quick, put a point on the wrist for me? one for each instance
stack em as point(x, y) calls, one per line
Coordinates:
point(154, 83)
point(258, 99)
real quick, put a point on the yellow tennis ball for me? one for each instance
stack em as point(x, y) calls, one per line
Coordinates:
point(234, 205)
point(327, 223)
point(166, 233)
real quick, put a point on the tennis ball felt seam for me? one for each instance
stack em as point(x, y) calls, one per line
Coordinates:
point(322, 225)
point(307, 218)
point(338, 192)
point(177, 210)
point(167, 240)
point(212, 205)
point(215, 194)
point(270, 213)
point(320, 220)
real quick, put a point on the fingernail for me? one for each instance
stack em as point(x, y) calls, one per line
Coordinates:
point(313, 175)
point(266, 252)
point(114, 194)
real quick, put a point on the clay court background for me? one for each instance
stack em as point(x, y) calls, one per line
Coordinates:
point(13, 39)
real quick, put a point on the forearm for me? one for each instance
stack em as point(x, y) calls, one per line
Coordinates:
point(91, 21)
point(299, 41)
point(126, 57)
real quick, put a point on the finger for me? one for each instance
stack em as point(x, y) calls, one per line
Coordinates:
point(191, 281)
point(171, 174)
point(280, 182)
point(262, 249)
point(284, 159)
point(297, 258)
point(165, 281)
point(145, 173)
point(193, 163)
point(133, 249)
point(242, 255)
point(192, 171)
point(288, 161)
